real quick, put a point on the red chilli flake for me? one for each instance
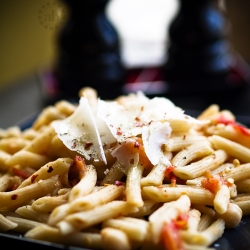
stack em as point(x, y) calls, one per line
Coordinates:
point(118, 183)
point(50, 169)
point(88, 145)
point(14, 197)
point(118, 131)
point(139, 124)
point(73, 145)
point(136, 144)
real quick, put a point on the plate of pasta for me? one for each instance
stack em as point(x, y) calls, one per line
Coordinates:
point(130, 173)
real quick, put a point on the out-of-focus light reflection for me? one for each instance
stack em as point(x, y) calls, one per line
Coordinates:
point(142, 26)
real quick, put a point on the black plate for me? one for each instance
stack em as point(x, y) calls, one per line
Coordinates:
point(232, 239)
point(13, 240)
point(237, 238)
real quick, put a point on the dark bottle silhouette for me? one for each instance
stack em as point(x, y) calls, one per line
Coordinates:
point(88, 52)
point(200, 58)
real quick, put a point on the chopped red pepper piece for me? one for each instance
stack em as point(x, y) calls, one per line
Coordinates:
point(170, 237)
point(224, 120)
point(169, 172)
point(22, 174)
point(172, 177)
point(212, 184)
point(241, 129)
point(181, 221)
point(238, 127)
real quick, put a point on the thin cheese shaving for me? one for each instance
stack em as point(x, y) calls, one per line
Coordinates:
point(154, 136)
point(92, 130)
point(79, 132)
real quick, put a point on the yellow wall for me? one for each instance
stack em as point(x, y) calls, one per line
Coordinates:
point(26, 45)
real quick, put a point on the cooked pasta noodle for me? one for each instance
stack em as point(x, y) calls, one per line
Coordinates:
point(130, 173)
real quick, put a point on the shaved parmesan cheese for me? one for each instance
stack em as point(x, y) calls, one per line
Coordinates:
point(135, 101)
point(154, 136)
point(120, 120)
point(160, 109)
point(79, 132)
point(91, 131)
point(104, 132)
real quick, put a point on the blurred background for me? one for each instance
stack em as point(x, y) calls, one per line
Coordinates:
point(26, 46)
point(29, 47)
